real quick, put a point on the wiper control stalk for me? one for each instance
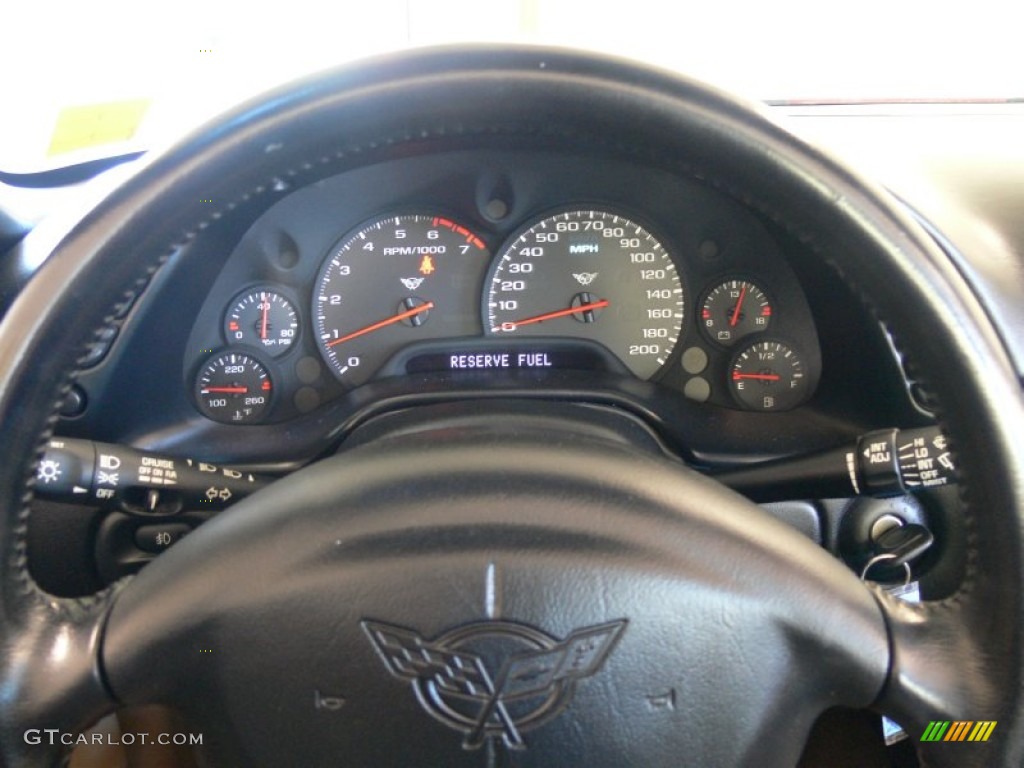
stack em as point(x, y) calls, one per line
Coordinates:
point(888, 462)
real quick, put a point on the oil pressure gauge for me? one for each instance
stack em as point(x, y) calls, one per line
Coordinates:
point(262, 318)
point(768, 376)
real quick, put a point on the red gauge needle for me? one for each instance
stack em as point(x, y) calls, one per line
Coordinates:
point(266, 312)
point(739, 303)
point(552, 315)
point(227, 390)
point(382, 324)
point(757, 376)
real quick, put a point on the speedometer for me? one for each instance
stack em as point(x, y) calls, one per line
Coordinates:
point(591, 275)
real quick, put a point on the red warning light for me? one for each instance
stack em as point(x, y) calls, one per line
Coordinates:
point(232, 326)
point(427, 266)
point(766, 312)
point(266, 386)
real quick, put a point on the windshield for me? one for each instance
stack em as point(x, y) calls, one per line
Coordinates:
point(110, 76)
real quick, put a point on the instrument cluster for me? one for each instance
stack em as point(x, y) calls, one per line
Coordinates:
point(674, 284)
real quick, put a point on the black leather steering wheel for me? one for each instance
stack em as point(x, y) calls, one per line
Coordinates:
point(554, 592)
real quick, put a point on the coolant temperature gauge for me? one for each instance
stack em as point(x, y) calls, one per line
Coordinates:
point(233, 388)
point(768, 376)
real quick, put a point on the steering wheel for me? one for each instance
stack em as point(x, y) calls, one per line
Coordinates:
point(552, 592)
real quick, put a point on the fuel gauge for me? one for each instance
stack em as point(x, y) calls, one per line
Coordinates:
point(768, 376)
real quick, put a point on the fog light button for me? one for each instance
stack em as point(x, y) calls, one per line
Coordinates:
point(157, 538)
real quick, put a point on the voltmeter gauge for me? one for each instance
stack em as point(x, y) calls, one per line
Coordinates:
point(733, 310)
point(262, 318)
point(233, 388)
point(768, 376)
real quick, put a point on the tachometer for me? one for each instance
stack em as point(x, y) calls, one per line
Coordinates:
point(393, 282)
point(593, 275)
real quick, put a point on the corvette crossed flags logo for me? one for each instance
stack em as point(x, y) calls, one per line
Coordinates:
point(455, 684)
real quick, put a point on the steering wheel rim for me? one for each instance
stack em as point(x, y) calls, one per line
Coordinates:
point(949, 660)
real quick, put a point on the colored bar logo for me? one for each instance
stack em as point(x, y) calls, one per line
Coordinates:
point(958, 730)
